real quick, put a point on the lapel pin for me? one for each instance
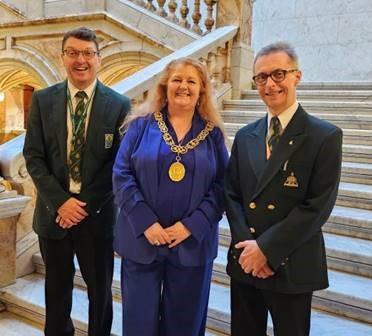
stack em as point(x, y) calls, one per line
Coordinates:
point(291, 142)
point(291, 181)
point(109, 139)
point(285, 166)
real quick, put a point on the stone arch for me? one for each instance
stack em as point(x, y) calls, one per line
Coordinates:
point(120, 60)
point(21, 59)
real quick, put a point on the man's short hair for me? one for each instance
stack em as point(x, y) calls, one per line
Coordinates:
point(278, 47)
point(81, 33)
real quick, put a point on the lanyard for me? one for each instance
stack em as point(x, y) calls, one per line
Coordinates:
point(77, 125)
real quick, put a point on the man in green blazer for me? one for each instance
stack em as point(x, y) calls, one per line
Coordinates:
point(281, 185)
point(70, 146)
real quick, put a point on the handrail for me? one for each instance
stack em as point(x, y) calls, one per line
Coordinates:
point(141, 81)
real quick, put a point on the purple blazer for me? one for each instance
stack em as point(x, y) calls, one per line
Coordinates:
point(136, 188)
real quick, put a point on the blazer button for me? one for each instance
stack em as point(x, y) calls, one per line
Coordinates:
point(252, 205)
point(252, 229)
point(271, 207)
point(98, 211)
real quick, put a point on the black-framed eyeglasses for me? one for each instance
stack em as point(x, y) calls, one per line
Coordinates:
point(87, 53)
point(277, 76)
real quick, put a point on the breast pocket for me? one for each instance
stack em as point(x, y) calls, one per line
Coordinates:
point(295, 178)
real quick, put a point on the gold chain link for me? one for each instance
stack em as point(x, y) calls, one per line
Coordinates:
point(180, 150)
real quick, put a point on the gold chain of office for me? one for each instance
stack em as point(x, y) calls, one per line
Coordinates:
point(177, 170)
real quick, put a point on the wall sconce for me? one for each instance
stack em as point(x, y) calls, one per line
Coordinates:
point(2, 96)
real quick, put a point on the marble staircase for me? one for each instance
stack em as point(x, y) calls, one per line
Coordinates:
point(344, 309)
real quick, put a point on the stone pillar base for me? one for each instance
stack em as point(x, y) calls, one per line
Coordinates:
point(241, 68)
point(7, 251)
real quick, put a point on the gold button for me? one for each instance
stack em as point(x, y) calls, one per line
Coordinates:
point(291, 142)
point(252, 205)
point(271, 207)
point(252, 229)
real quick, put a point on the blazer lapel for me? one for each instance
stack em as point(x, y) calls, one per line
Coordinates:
point(197, 125)
point(97, 115)
point(290, 141)
point(256, 146)
point(152, 152)
point(59, 102)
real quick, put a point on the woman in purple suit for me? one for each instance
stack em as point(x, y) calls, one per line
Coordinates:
point(168, 178)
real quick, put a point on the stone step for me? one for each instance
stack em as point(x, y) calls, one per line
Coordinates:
point(79, 282)
point(350, 136)
point(347, 121)
point(322, 95)
point(14, 325)
point(312, 106)
point(344, 253)
point(357, 153)
point(218, 321)
point(354, 172)
point(355, 195)
point(26, 298)
point(351, 222)
point(348, 295)
point(337, 86)
point(322, 323)
point(350, 153)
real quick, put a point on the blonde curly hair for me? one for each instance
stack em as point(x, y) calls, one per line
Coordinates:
point(157, 97)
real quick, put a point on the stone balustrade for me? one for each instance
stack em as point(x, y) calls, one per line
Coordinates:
point(196, 15)
point(214, 50)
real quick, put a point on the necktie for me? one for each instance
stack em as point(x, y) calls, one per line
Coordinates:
point(275, 129)
point(78, 137)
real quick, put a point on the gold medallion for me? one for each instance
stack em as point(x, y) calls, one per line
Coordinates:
point(176, 171)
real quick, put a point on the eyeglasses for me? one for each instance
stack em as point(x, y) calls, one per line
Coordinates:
point(87, 53)
point(277, 76)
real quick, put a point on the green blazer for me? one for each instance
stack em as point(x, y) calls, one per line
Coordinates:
point(45, 151)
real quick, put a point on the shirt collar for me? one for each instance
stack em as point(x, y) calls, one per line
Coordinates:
point(284, 117)
point(89, 90)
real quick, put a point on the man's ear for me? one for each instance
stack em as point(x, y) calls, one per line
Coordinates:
point(298, 76)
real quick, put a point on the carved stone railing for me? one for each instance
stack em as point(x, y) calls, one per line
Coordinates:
point(229, 63)
point(197, 15)
point(214, 50)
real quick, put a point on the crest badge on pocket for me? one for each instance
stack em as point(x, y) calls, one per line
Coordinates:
point(109, 139)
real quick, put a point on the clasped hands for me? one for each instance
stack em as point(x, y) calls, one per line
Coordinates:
point(71, 213)
point(252, 260)
point(172, 235)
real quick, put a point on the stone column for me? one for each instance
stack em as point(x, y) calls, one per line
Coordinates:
point(238, 13)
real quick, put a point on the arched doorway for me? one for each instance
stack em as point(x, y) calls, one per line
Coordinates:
point(17, 84)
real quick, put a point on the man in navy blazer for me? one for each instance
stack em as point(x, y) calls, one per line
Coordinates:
point(74, 212)
point(281, 185)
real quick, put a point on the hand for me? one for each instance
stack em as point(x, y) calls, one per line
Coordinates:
point(71, 213)
point(265, 272)
point(177, 233)
point(156, 235)
point(252, 260)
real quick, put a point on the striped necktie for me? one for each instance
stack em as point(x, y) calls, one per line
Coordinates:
point(275, 130)
point(78, 137)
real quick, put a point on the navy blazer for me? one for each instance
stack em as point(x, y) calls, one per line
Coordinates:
point(45, 151)
point(283, 218)
point(135, 181)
